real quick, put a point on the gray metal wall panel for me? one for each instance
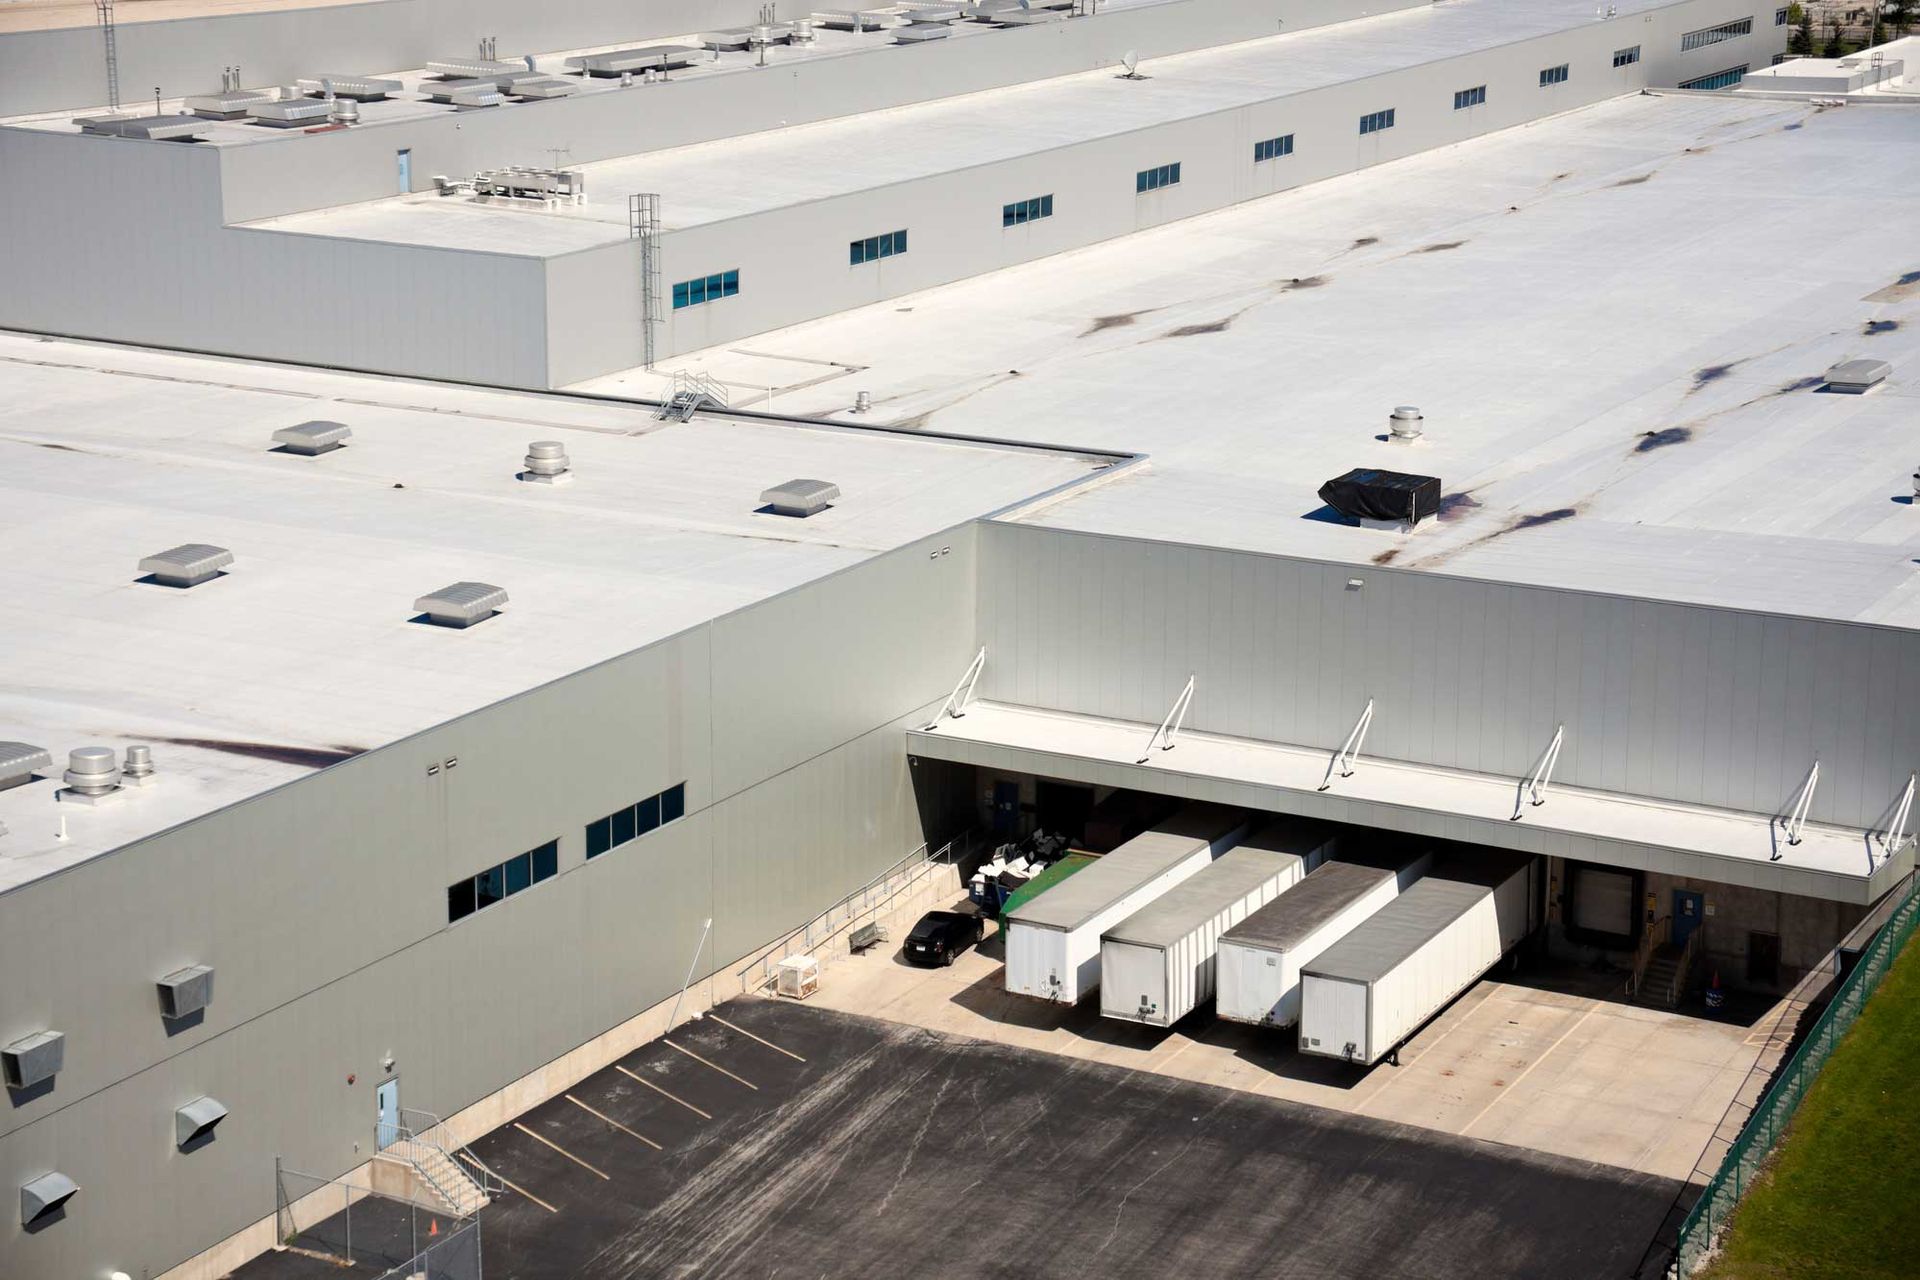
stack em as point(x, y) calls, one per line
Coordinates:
point(1681, 702)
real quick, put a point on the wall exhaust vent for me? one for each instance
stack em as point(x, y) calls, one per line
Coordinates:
point(462, 604)
point(547, 463)
point(42, 1197)
point(197, 1119)
point(1854, 377)
point(187, 565)
point(800, 497)
point(37, 1058)
point(186, 991)
point(19, 761)
point(310, 439)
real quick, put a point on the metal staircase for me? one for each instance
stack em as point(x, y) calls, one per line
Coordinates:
point(688, 393)
point(1663, 968)
point(420, 1141)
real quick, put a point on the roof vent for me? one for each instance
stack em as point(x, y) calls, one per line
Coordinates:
point(38, 1057)
point(19, 761)
point(547, 463)
point(462, 604)
point(800, 497)
point(196, 1120)
point(1391, 498)
point(1855, 377)
point(187, 565)
point(42, 1197)
point(1405, 424)
point(312, 438)
point(186, 991)
point(92, 773)
point(137, 769)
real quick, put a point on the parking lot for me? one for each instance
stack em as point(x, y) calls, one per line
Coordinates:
point(776, 1139)
point(1552, 1062)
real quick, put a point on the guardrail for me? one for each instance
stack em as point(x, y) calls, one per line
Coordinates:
point(1651, 940)
point(1710, 1213)
point(869, 900)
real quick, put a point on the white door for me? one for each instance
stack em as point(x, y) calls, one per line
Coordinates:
point(386, 1103)
point(404, 158)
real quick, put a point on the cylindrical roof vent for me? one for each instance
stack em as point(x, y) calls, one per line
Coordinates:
point(137, 770)
point(547, 463)
point(92, 771)
point(345, 111)
point(1405, 423)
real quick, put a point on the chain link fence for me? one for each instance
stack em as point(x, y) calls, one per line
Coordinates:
point(1769, 1120)
point(356, 1227)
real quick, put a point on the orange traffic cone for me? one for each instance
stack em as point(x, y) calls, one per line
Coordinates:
point(434, 1229)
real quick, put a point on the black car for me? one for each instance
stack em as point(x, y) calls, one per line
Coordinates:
point(940, 936)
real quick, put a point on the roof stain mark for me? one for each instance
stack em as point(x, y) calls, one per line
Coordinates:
point(1712, 373)
point(1388, 556)
point(1441, 247)
point(279, 753)
point(57, 448)
point(1196, 330)
point(1899, 291)
point(1119, 320)
point(1873, 327)
point(1536, 520)
point(1652, 440)
point(1562, 177)
point(1454, 505)
point(1797, 124)
point(1788, 388)
point(1634, 182)
point(1363, 242)
point(1300, 282)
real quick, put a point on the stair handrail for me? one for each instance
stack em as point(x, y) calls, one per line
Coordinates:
point(433, 1136)
point(1688, 954)
point(1652, 938)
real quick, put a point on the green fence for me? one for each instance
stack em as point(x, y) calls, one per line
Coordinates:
point(1769, 1120)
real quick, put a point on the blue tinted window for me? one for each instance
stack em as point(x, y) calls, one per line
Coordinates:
point(679, 296)
point(622, 827)
point(646, 815)
point(459, 901)
point(546, 861)
point(488, 888)
point(599, 837)
point(673, 803)
point(730, 283)
point(519, 872)
point(899, 242)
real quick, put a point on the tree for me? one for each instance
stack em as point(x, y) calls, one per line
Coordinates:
point(1802, 42)
point(1900, 14)
point(1835, 46)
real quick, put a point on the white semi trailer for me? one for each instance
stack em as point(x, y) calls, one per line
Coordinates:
point(1368, 993)
point(1258, 967)
point(1053, 940)
point(1157, 965)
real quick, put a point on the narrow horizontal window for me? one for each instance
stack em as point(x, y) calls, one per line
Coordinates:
point(1464, 98)
point(1159, 176)
point(1024, 211)
point(1714, 35)
point(1626, 57)
point(1273, 148)
point(875, 247)
point(1718, 80)
point(1375, 121)
point(1553, 75)
point(496, 884)
point(691, 293)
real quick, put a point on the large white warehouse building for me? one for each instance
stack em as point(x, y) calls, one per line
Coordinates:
point(417, 767)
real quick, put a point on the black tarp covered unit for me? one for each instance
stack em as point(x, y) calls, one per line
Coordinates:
point(1368, 494)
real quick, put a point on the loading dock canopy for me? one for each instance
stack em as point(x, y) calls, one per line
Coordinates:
point(1609, 828)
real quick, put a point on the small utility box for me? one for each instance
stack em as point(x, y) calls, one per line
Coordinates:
point(797, 977)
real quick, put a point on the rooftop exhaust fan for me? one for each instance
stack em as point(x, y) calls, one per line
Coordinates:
point(800, 498)
point(1382, 497)
point(197, 1120)
point(1405, 424)
point(187, 565)
point(547, 463)
point(462, 604)
point(93, 774)
point(1856, 377)
point(310, 439)
point(45, 1194)
point(29, 1061)
point(19, 761)
point(186, 991)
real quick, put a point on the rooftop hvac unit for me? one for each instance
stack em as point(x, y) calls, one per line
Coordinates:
point(359, 88)
point(173, 128)
point(19, 761)
point(197, 1119)
point(310, 439)
point(468, 68)
point(228, 104)
point(44, 1195)
point(462, 604)
point(1854, 377)
point(34, 1059)
point(543, 87)
point(1373, 495)
point(290, 113)
point(920, 33)
point(653, 57)
point(800, 497)
point(186, 991)
point(187, 565)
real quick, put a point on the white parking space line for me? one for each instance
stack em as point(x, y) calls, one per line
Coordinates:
point(662, 1092)
point(714, 1017)
point(562, 1150)
point(716, 1066)
point(601, 1115)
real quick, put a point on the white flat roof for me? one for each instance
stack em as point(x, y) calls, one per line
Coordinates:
point(305, 651)
point(1615, 322)
point(715, 181)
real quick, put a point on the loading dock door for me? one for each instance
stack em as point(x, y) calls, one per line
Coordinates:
point(1603, 901)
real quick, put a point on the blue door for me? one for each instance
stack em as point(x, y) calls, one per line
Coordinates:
point(1687, 906)
point(404, 159)
point(1006, 809)
point(386, 1104)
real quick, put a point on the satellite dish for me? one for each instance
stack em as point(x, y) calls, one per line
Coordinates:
point(1130, 60)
